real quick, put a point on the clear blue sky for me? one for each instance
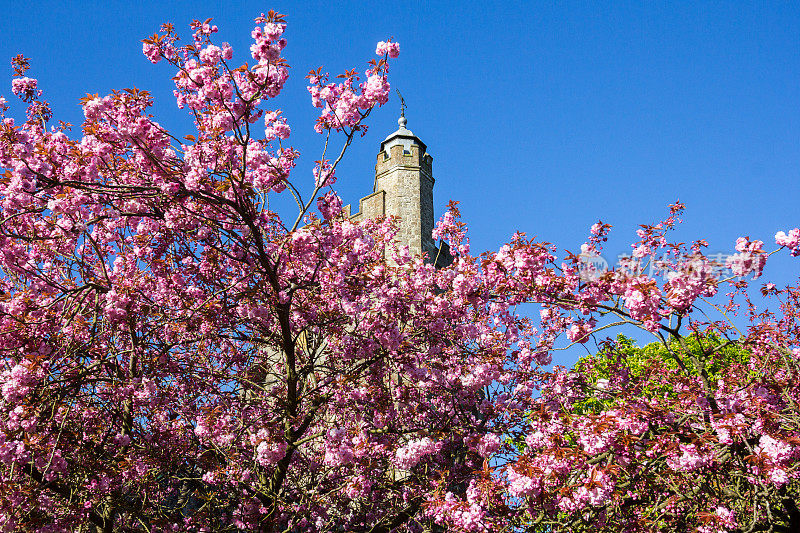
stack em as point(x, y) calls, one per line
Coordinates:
point(540, 117)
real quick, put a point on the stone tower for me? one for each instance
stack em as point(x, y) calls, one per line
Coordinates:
point(403, 188)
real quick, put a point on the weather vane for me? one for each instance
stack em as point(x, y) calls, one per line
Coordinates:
point(402, 103)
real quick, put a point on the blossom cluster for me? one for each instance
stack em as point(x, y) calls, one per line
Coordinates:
point(344, 105)
point(410, 454)
point(791, 241)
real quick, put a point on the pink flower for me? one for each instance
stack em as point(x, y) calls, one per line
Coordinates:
point(390, 48)
point(17, 382)
point(274, 31)
point(211, 54)
point(488, 444)
point(689, 459)
point(324, 174)
point(376, 90)
point(329, 205)
point(276, 127)
point(791, 241)
point(642, 298)
point(409, 455)
point(268, 453)
point(750, 259)
point(745, 262)
point(726, 517)
point(776, 450)
point(25, 88)
point(694, 279)
point(579, 331)
point(152, 52)
point(597, 487)
point(521, 485)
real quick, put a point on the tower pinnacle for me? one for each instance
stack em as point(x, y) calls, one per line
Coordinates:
point(403, 188)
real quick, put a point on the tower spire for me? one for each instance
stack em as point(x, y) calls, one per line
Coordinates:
point(402, 103)
point(401, 122)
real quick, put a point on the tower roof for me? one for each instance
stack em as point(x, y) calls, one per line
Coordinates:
point(404, 137)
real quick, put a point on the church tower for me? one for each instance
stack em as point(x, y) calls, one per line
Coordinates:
point(403, 188)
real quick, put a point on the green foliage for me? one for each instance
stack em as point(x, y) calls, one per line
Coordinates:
point(655, 369)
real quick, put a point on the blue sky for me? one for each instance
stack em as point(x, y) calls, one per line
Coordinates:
point(541, 117)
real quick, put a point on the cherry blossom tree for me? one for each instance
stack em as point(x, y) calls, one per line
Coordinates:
point(176, 356)
point(698, 431)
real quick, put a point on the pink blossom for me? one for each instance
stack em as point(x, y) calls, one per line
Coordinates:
point(690, 459)
point(726, 516)
point(466, 516)
point(776, 450)
point(324, 174)
point(521, 485)
point(390, 48)
point(791, 241)
point(276, 127)
point(211, 54)
point(596, 488)
point(376, 90)
point(268, 453)
point(329, 205)
point(579, 331)
point(25, 88)
point(695, 279)
point(408, 455)
point(488, 445)
point(643, 298)
point(152, 52)
point(18, 382)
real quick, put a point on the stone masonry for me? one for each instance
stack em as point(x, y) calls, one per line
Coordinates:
point(403, 188)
